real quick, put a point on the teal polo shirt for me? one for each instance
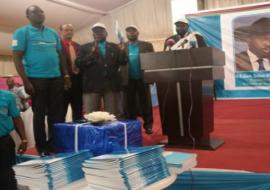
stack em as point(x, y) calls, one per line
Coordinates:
point(40, 47)
point(134, 61)
point(8, 110)
point(102, 48)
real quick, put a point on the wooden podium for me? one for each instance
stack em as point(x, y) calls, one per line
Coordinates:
point(185, 87)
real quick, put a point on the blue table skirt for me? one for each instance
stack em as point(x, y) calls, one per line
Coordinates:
point(218, 180)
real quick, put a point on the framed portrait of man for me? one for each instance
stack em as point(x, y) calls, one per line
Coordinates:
point(252, 43)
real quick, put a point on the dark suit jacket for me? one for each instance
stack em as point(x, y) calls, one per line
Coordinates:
point(144, 47)
point(176, 38)
point(98, 72)
point(242, 62)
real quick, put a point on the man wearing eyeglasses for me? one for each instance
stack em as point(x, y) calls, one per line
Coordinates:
point(72, 96)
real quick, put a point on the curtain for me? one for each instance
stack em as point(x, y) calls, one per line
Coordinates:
point(214, 4)
point(152, 17)
point(7, 66)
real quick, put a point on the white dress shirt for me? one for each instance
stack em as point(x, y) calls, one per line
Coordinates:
point(254, 62)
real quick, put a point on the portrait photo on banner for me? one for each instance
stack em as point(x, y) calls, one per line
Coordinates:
point(251, 34)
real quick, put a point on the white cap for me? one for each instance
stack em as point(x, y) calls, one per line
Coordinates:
point(99, 24)
point(132, 26)
point(184, 20)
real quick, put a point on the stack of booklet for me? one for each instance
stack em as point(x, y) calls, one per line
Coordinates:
point(51, 172)
point(135, 169)
point(178, 162)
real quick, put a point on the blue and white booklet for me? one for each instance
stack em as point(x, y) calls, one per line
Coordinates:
point(132, 169)
point(52, 172)
point(178, 162)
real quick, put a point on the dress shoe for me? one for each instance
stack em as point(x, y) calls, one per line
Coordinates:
point(149, 131)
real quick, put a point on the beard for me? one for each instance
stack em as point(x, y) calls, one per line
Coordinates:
point(181, 32)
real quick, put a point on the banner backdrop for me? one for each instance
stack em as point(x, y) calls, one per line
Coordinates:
point(244, 35)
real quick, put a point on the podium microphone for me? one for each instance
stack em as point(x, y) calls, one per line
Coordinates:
point(169, 44)
point(183, 43)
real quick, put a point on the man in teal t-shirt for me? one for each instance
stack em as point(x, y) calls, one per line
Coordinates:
point(39, 60)
point(9, 120)
point(137, 89)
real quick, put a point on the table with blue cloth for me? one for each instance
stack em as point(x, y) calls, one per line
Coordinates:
point(97, 138)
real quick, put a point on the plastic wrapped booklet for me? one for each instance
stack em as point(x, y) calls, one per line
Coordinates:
point(52, 171)
point(132, 169)
point(97, 138)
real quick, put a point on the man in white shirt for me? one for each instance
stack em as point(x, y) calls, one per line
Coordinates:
point(21, 96)
point(256, 58)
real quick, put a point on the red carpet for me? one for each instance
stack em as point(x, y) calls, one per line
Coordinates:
point(244, 125)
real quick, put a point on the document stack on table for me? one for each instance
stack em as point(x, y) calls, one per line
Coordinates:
point(51, 172)
point(178, 162)
point(135, 169)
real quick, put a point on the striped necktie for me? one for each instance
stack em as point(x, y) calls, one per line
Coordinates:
point(261, 66)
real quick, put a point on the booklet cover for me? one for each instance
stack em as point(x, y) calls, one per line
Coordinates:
point(131, 169)
point(179, 162)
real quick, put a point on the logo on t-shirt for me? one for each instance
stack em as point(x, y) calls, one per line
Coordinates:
point(14, 43)
point(3, 111)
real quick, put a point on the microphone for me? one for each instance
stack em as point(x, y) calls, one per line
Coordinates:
point(183, 43)
point(180, 44)
point(169, 43)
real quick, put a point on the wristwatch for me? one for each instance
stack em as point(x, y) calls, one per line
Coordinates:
point(66, 76)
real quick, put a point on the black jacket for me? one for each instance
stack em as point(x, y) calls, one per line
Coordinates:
point(99, 73)
point(144, 47)
point(242, 62)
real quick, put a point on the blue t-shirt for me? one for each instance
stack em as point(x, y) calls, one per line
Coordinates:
point(102, 48)
point(8, 110)
point(134, 67)
point(40, 46)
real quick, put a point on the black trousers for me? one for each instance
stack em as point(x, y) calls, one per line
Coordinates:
point(7, 160)
point(73, 96)
point(139, 92)
point(47, 100)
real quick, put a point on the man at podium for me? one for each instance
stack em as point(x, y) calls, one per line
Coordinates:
point(185, 87)
point(175, 98)
point(183, 39)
